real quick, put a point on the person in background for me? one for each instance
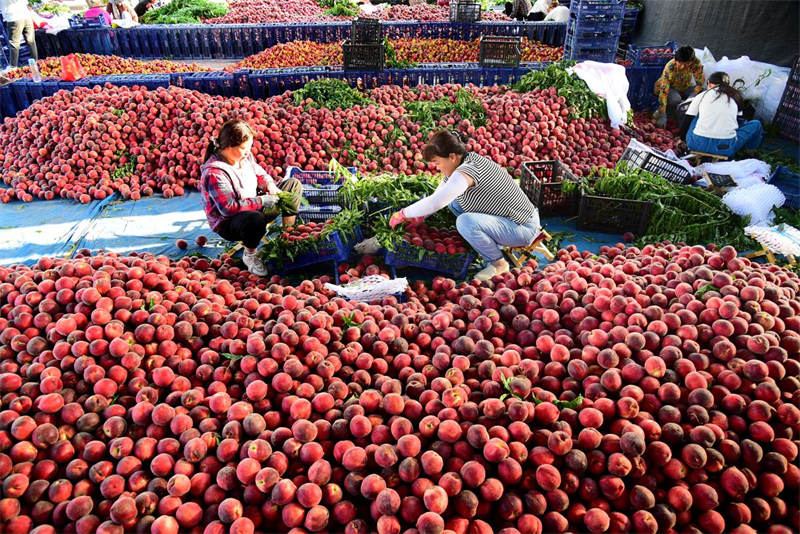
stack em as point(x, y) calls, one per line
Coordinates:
point(97, 8)
point(116, 8)
point(230, 181)
point(539, 10)
point(19, 20)
point(518, 10)
point(682, 77)
point(711, 124)
point(557, 12)
point(492, 211)
point(143, 7)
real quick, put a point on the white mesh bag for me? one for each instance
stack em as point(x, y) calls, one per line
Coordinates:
point(371, 288)
point(756, 201)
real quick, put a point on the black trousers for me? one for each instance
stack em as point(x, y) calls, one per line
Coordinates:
point(250, 226)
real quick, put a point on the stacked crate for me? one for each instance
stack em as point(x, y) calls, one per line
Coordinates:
point(594, 29)
point(787, 119)
point(364, 50)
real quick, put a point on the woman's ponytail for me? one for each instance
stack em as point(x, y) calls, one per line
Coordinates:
point(723, 87)
point(213, 147)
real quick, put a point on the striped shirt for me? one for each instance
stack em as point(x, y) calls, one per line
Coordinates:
point(494, 192)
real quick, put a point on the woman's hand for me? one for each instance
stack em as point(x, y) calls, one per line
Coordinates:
point(400, 218)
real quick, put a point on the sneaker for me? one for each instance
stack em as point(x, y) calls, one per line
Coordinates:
point(489, 271)
point(254, 264)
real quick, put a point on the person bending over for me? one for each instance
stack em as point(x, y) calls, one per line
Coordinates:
point(682, 77)
point(711, 124)
point(557, 12)
point(230, 182)
point(491, 209)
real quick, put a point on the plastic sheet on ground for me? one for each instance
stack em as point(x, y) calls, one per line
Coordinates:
point(370, 288)
point(153, 224)
point(29, 231)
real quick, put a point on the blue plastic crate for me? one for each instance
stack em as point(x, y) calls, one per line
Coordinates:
point(318, 214)
point(636, 54)
point(407, 255)
point(598, 7)
point(336, 248)
point(21, 95)
point(314, 178)
point(8, 107)
point(789, 184)
point(77, 21)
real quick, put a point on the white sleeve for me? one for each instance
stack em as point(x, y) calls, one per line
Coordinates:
point(444, 195)
point(694, 106)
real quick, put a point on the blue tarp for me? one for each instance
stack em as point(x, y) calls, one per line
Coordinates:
point(44, 228)
point(59, 228)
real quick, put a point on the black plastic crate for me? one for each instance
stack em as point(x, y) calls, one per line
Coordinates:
point(787, 118)
point(542, 182)
point(364, 31)
point(499, 51)
point(655, 164)
point(363, 56)
point(465, 11)
point(608, 215)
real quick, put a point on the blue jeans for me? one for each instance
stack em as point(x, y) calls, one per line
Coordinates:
point(747, 136)
point(489, 233)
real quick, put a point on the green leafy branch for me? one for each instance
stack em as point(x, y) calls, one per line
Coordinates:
point(561, 405)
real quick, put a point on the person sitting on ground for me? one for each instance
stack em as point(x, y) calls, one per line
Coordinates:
point(518, 10)
point(230, 181)
point(557, 12)
point(97, 8)
point(711, 125)
point(116, 8)
point(143, 7)
point(682, 77)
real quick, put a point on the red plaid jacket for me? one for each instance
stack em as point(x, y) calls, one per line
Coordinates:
point(222, 189)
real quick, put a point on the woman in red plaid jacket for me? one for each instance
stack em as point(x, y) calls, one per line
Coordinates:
point(239, 197)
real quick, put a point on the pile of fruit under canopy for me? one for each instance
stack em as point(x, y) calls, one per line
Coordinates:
point(91, 142)
point(644, 391)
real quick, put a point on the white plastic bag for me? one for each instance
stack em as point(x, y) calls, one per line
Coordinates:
point(608, 81)
point(370, 288)
point(761, 83)
point(707, 59)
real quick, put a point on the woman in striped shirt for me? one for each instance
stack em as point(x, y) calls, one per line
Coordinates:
point(492, 210)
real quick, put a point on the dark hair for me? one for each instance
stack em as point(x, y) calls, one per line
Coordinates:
point(685, 54)
point(723, 87)
point(445, 142)
point(233, 133)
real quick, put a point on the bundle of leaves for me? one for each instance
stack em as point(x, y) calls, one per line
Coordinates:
point(465, 105)
point(680, 214)
point(185, 12)
point(577, 94)
point(330, 94)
